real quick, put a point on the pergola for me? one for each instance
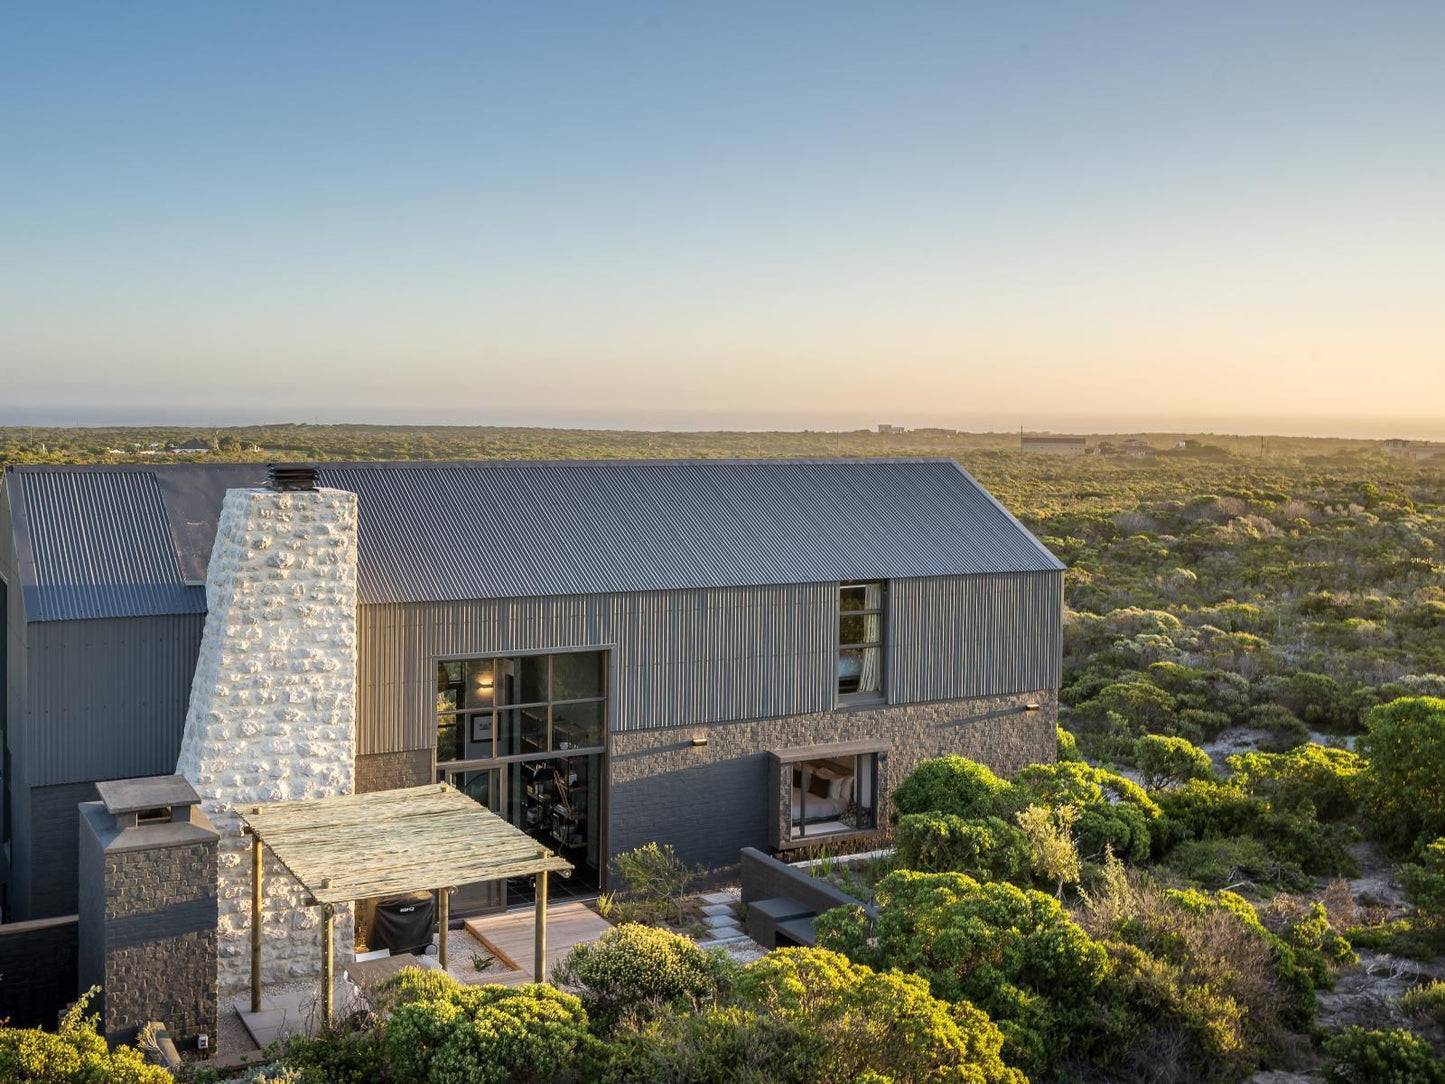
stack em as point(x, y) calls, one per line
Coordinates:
point(418, 839)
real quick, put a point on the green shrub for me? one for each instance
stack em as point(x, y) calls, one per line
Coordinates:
point(729, 1045)
point(1404, 751)
point(1357, 1056)
point(75, 1053)
point(1199, 988)
point(885, 1023)
point(1065, 746)
point(441, 1032)
point(985, 847)
point(1424, 882)
point(1317, 946)
point(1328, 780)
point(1053, 854)
point(1144, 707)
point(653, 882)
point(1228, 861)
point(1114, 812)
point(1200, 810)
point(636, 970)
point(1168, 762)
point(951, 784)
point(1425, 1002)
point(1014, 953)
point(339, 1057)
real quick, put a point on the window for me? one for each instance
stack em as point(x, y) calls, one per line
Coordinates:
point(833, 796)
point(860, 640)
point(520, 705)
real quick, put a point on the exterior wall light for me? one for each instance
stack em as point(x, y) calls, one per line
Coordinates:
point(700, 741)
point(1031, 706)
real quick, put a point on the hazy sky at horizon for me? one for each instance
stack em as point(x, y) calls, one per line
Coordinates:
point(878, 212)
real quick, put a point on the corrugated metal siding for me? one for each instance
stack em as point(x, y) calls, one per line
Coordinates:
point(108, 698)
point(99, 544)
point(515, 530)
point(953, 637)
point(680, 657)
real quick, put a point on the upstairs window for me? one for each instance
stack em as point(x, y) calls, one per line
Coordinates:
point(520, 705)
point(860, 640)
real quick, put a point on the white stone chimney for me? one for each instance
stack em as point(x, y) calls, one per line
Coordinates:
point(272, 714)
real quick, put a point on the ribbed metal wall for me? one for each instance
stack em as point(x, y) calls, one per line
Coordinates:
point(680, 657)
point(962, 636)
point(107, 698)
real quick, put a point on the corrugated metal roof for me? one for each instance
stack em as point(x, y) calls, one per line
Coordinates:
point(121, 541)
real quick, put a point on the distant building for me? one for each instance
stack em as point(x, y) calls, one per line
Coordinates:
point(934, 431)
point(1416, 450)
point(194, 446)
point(1045, 445)
point(1139, 449)
point(891, 429)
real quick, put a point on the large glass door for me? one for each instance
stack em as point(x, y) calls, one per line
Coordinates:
point(555, 800)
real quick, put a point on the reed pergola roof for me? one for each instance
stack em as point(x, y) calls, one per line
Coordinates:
point(393, 841)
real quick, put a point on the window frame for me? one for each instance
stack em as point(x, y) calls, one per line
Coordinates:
point(861, 696)
point(464, 716)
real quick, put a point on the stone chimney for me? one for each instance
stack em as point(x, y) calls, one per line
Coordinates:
point(272, 715)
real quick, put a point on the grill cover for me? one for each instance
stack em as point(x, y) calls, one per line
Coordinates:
point(405, 923)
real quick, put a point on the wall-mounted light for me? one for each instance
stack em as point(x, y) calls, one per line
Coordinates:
point(699, 741)
point(1031, 706)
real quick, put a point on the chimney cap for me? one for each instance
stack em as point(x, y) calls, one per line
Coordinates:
point(291, 476)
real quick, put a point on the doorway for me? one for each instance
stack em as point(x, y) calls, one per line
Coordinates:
point(557, 800)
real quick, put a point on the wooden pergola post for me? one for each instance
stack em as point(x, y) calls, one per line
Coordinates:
point(444, 906)
point(539, 961)
point(256, 850)
point(328, 956)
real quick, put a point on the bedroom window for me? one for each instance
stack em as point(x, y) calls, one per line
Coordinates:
point(833, 796)
point(860, 640)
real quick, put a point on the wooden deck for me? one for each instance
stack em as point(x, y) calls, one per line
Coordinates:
point(510, 938)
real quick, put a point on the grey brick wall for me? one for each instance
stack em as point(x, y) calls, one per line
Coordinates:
point(160, 921)
point(713, 800)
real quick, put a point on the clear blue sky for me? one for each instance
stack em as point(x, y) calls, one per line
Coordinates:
point(730, 212)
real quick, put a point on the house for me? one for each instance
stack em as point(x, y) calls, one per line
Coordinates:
point(891, 430)
point(1047, 445)
point(194, 446)
point(714, 654)
point(1139, 449)
point(1416, 450)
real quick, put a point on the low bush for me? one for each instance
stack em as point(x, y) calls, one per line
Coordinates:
point(1015, 953)
point(636, 971)
point(1326, 780)
point(1066, 747)
point(1317, 945)
point(1425, 1002)
point(1404, 750)
point(1357, 1056)
point(886, 1023)
point(334, 1057)
point(1168, 762)
point(441, 1032)
point(75, 1053)
point(1230, 861)
point(984, 847)
point(1424, 882)
point(950, 784)
point(653, 883)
